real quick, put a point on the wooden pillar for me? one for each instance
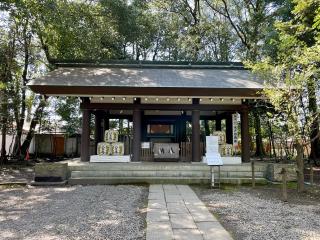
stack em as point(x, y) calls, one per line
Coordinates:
point(196, 133)
point(97, 129)
point(85, 135)
point(229, 129)
point(105, 124)
point(206, 127)
point(218, 124)
point(183, 128)
point(136, 144)
point(245, 136)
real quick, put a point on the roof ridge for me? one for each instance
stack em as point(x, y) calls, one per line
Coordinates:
point(148, 64)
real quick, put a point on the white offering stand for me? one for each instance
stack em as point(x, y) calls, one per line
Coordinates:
point(213, 156)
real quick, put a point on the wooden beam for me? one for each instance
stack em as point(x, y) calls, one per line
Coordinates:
point(172, 107)
point(144, 91)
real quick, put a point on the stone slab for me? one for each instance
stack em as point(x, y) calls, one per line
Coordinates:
point(182, 221)
point(58, 171)
point(203, 216)
point(157, 204)
point(274, 172)
point(156, 196)
point(155, 188)
point(157, 215)
point(109, 159)
point(173, 198)
point(159, 231)
point(169, 187)
point(181, 215)
point(187, 234)
point(213, 230)
point(177, 208)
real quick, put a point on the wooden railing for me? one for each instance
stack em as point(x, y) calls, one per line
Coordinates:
point(146, 154)
point(186, 151)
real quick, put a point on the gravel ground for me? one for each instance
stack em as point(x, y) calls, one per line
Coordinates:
point(78, 212)
point(257, 214)
point(9, 174)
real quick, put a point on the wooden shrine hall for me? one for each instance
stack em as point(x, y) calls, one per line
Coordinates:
point(161, 100)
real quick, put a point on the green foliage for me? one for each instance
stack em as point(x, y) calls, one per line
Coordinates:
point(290, 77)
point(69, 112)
point(283, 33)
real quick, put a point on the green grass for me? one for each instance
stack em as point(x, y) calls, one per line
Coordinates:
point(11, 186)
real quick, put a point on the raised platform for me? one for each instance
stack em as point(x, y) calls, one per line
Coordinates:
point(109, 159)
point(151, 172)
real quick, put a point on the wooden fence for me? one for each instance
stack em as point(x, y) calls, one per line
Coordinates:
point(147, 155)
point(186, 151)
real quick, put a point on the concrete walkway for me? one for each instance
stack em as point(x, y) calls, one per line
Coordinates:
point(175, 212)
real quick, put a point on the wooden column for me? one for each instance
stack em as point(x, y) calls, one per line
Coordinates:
point(183, 128)
point(245, 136)
point(136, 143)
point(218, 124)
point(85, 135)
point(196, 133)
point(229, 129)
point(97, 129)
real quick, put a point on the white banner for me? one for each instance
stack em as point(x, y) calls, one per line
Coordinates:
point(235, 128)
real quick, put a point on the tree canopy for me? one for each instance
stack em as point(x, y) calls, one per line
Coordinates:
point(278, 38)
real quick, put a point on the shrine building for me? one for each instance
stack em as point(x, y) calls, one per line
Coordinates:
point(170, 107)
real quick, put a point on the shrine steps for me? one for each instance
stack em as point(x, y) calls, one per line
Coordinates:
point(149, 172)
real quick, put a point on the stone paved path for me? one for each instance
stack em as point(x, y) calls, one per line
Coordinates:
point(176, 213)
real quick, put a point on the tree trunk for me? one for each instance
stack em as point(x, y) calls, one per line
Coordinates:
point(4, 123)
point(35, 120)
point(20, 106)
point(272, 143)
point(315, 145)
point(300, 167)
point(3, 155)
point(259, 144)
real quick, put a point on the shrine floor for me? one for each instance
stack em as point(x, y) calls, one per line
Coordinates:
point(175, 212)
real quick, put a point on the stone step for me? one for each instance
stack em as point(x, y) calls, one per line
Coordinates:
point(117, 173)
point(158, 180)
point(204, 174)
point(161, 166)
point(239, 181)
point(136, 180)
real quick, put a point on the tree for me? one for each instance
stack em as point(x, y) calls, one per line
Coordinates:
point(68, 110)
point(290, 76)
point(7, 66)
point(251, 21)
